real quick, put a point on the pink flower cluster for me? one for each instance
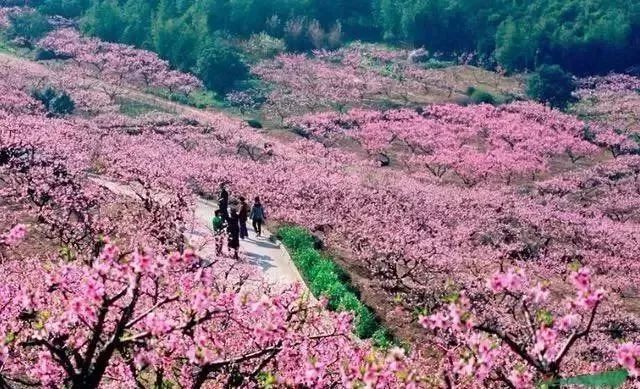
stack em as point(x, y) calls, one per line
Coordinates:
point(119, 64)
point(628, 355)
point(477, 143)
point(15, 235)
point(588, 297)
point(521, 336)
point(611, 102)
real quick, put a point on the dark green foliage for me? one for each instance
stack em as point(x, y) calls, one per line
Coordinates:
point(552, 85)
point(29, 25)
point(219, 66)
point(61, 104)
point(65, 8)
point(326, 278)
point(56, 102)
point(254, 123)
point(179, 42)
point(480, 96)
point(582, 36)
point(104, 20)
point(45, 55)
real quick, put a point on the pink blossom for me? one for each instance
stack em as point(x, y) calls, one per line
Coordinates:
point(15, 235)
point(157, 324)
point(628, 355)
point(581, 279)
point(521, 379)
point(94, 289)
point(142, 262)
point(589, 299)
point(512, 281)
point(567, 322)
point(539, 293)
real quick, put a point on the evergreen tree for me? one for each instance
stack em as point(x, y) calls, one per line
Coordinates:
point(551, 85)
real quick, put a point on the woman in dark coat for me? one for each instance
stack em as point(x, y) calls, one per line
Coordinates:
point(233, 230)
point(223, 201)
point(243, 213)
point(258, 216)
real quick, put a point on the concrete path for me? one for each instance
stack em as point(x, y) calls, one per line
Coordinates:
point(269, 256)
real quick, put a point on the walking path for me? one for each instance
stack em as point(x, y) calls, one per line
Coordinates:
point(268, 255)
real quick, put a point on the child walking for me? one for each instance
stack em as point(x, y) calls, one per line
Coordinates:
point(219, 225)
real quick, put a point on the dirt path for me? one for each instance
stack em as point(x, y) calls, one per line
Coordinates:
point(269, 256)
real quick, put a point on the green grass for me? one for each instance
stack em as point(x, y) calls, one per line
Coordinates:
point(133, 108)
point(325, 278)
point(6, 46)
point(198, 99)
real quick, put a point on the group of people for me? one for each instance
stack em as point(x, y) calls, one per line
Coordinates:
point(232, 220)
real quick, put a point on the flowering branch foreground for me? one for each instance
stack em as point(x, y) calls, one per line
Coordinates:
point(521, 338)
point(107, 317)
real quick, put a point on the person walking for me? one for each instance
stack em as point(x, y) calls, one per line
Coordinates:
point(258, 216)
point(219, 225)
point(243, 216)
point(223, 201)
point(233, 231)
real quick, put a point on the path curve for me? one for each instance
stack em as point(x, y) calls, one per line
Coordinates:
point(266, 253)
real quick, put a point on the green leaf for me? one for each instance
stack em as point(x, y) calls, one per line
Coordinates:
point(608, 379)
point(11, 336)
point(545, 317)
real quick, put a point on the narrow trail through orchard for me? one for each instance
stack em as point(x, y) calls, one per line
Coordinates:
point(268, 255)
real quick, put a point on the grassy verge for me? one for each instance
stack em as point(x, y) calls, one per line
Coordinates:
point(198, 99)
point(135, 108)
point(325, 278)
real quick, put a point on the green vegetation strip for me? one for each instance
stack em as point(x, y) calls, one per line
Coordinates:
point(608, 379)
point(325, 278)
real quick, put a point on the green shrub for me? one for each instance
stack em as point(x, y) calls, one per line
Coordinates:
point(321, 275)
point(382, 338)
point(349, 302)
point(46, 55)
point(29, 25)
point(220, 66)
point(306, 259)
point(326, 278)
point(552, 85)
point(437, 64)
point(366, 322)
point(336, 294)
point(479, 96)
point(253, 123)
point(56, 102)
point(62, 104)
point(295, 238)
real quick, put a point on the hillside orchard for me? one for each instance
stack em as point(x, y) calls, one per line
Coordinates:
point(363, 75)
point(510, 234)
